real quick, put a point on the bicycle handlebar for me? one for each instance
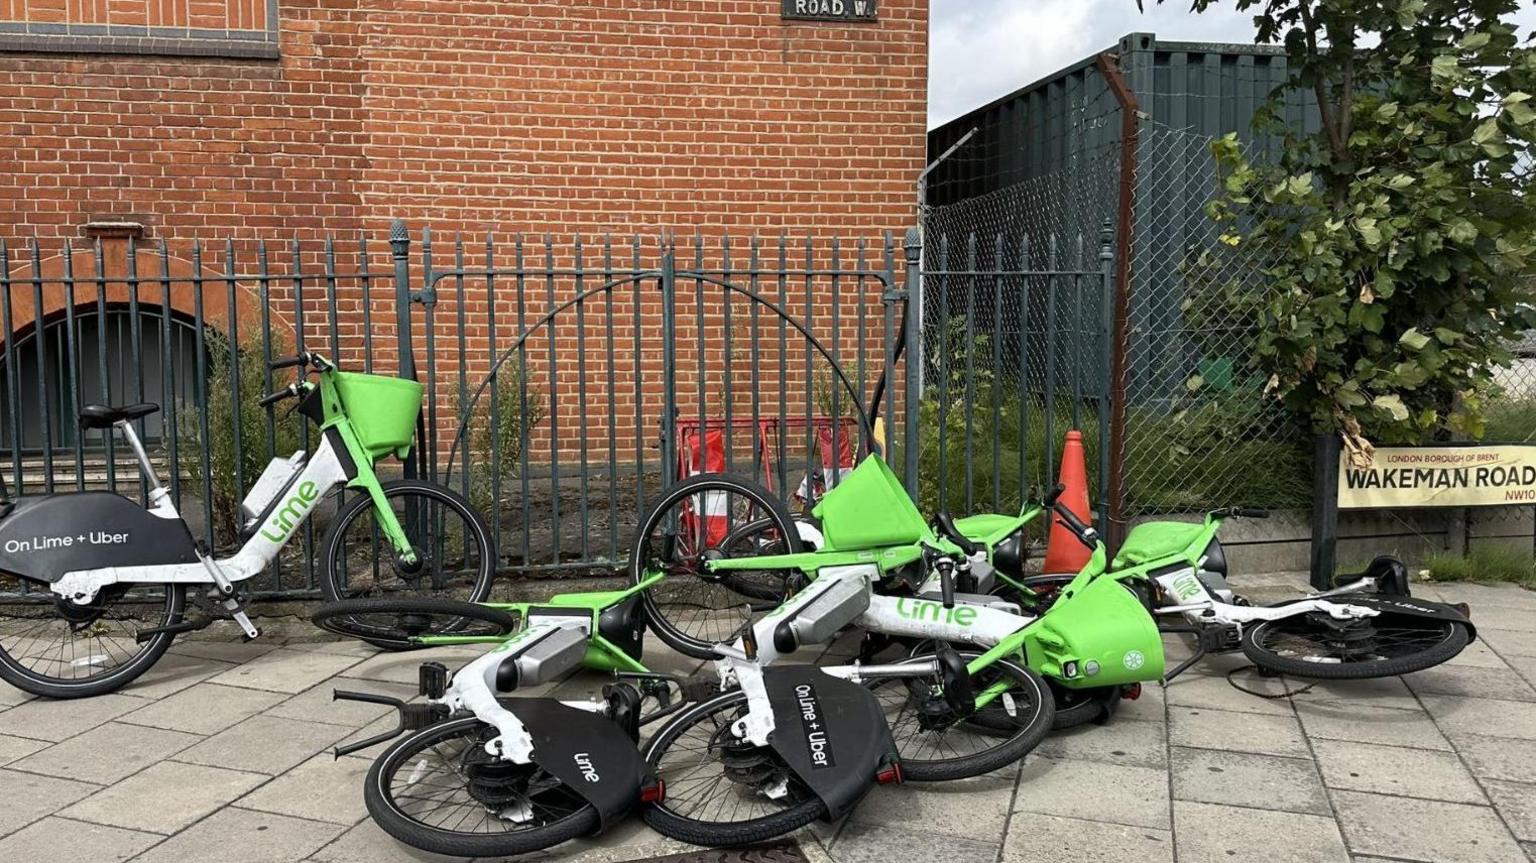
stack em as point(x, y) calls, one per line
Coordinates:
point(1054, 495)
point(1084, 532)
point(290, 362)
point(946, 527)
point(271, 399)
point(1240, 512)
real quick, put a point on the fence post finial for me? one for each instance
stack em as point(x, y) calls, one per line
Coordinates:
point(1106, 241)
point(914, 245)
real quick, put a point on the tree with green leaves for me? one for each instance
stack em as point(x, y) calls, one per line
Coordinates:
point(1398, 239)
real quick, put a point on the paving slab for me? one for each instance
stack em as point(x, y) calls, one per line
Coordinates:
point(1396, 770)
point(1503, 683)
point(404, 667)
point(243, 835)
point(1370, 723)
point(1476, 655)
point(1498, 757)
point(1516, 801)
point(60, 840)
point(106, 753)
point(230, 650)
point(1525, 666)
point(1376, 692)
point(1507, 642)
point(26, 797)
point(1053, 839)
point(10, 696)
point(1116, 793)
point(172, 673)
point(867, 843)
point(628, 840)
point(165, 797)
point(317, 705)
point(367, 843)
point(264, 744)
point(1412, 829)
point(12, 748)
point(1200, 690)
point(1485, 716)
point(1240, 779)
point(1209, 728)
point(287, 670)
point(42, 719)
point(204, 708)
point(967, 808)
point(1210, 833)
point(1140, 744)
point(321, 789)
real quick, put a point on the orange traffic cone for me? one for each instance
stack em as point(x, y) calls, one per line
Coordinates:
point(1064, 552)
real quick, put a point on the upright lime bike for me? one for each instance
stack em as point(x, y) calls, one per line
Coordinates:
point(99, 584)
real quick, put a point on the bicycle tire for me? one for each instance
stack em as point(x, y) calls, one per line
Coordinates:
point(344, 618)
point(385, 811)
point(333, 546)
point(1456, 637)
point(48, 686)
point(671, 633)
point(1023, 741)
point(718, 834)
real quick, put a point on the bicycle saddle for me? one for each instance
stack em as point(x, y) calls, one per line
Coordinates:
point(102, 416)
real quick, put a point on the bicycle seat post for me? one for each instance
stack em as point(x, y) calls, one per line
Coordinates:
point(157, 491)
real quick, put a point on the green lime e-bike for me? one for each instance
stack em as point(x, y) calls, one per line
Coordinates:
point(99, 583)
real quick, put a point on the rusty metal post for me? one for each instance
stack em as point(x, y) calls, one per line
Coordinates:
point(1108, 65)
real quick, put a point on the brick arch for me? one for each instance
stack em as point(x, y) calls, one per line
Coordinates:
point(53, 270)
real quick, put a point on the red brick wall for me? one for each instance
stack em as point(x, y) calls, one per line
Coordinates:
point(629, 115)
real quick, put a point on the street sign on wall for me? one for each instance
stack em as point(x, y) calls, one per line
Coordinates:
point(831, 10)
point(1492, 475)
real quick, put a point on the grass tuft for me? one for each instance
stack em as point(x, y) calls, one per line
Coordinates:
point(1486, 564)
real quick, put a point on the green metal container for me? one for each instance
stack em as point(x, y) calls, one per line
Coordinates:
point(1100, 636)
point(869, 509)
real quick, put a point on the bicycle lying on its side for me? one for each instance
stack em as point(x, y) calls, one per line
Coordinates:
point(102, 581)
point(483, 775)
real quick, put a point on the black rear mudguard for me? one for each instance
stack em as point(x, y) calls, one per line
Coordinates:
point(830, 732)
point(1405, 606)
point(46, 536)
point(587, 751)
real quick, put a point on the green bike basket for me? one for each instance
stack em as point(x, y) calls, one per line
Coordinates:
point(869, 509)
point(382, 410)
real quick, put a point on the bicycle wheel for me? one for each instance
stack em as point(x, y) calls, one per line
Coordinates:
point(59, 649)
point(721, 791)
point(439, 791)
point(704, 518)
point(452, 545)
point(937, 743)
point(401, 623)
point(1316, 645)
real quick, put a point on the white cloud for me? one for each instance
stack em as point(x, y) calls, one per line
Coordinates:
point(982, 49)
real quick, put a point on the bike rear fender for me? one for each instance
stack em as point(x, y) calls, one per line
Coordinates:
point(831, 733)
point(587, 751)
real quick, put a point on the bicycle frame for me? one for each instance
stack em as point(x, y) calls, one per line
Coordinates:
point(339, 459)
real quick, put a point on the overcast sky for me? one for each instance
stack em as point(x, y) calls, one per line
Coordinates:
point(982, 49)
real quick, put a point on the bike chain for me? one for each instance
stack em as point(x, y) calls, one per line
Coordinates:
point(1265, 695)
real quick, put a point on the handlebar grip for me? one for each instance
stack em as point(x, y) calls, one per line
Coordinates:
point(1250, 512)
point(946, 526)
point(290, 362)
point(1085, 533)
point(273, 398)
point(947, 588)
point(1054, 495)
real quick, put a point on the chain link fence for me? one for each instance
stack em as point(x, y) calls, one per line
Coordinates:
point(1014, 330)
point(1200, 431)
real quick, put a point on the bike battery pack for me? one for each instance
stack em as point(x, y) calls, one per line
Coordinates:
point(273, 481)
point(833, 608)
point(542, 659)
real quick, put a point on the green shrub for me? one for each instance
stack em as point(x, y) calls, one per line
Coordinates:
point(501, 430)
point(215, 457)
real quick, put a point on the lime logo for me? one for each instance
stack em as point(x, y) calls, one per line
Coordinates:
point(1186, 586)
point(934, 612)
point(291, 512)
point(1133, 659)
